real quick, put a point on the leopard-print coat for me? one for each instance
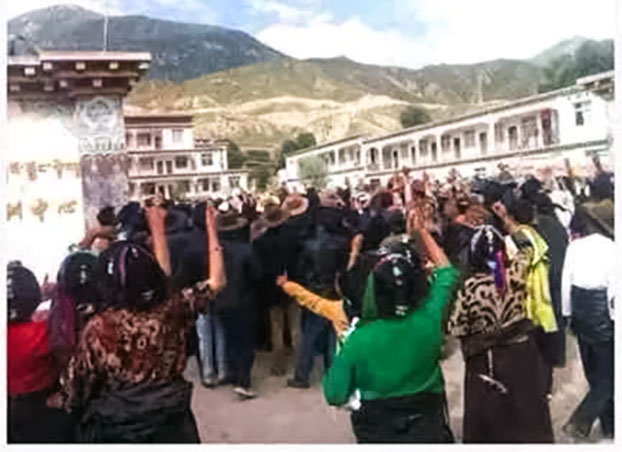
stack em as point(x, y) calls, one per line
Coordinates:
point(130, 347)
point(481, 309)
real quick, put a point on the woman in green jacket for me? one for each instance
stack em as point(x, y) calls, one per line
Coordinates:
point(392, 357)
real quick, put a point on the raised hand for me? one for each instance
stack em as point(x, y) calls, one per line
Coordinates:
point(281, 279)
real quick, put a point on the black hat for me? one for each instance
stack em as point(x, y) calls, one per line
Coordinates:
point(23, 292)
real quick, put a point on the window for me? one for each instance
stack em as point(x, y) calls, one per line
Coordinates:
point(184, 186)
point(469, 139)
point(129, 140)
point(434, 151)
point(207, 159)
point(513, 137)
point(204, 184)
point(423, 147)
point(181, 162)
point(234, 181)
point(413, 154)
point(143, 139)
point(169, 167)
point(372, 156)
point(160, 166)
point(158, 142)
point(582, 110)
point(483, 142)
point(396, 159)
point(177, 135)
point(148, 189)
point(215, 185)
point(457, 153)
point(145, 163)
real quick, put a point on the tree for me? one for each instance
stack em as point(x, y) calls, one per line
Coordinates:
point(235, 157)
point(313, 169)
point(305, 140)
point(261, 176)
point(590, 58)
point(413, 116)
point(289, 147)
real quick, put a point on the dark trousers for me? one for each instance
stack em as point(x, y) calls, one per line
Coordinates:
point(421, 418)
point(317, 337)
point(597, 359)
point(240, 339)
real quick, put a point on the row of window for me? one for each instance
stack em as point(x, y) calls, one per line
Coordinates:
point(145, 139)
point(181, 162)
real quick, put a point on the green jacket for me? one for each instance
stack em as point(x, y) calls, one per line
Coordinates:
point(394, 357)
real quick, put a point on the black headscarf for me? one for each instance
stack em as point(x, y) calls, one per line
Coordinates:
point(23, 292)
point(129, 277)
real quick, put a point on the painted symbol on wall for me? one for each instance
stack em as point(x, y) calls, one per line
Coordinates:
point(38, 208)
point(67, 207)
point(13, 210)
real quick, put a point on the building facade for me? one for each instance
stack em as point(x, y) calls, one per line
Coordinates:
point(166, 158)
point(571, 124)
point(66, 155)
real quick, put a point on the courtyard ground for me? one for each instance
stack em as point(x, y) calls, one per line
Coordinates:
point(286, 415)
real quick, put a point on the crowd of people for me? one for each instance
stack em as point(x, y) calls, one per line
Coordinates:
point(373, 280)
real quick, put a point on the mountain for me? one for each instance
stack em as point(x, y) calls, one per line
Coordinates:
point(179, 51)
point(239, 89)
point(261, 105)
point(568, 47)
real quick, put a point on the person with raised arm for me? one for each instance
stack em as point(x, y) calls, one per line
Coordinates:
point(391, 358)
point(125, 380)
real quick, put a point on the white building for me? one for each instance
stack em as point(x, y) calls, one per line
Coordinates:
point(166, 158)
point(573, 123)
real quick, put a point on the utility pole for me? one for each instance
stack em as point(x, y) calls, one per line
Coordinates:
point(106, 27)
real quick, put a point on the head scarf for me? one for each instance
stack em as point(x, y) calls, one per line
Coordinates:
point(397, 263)
point(494, 259)
point(23, 292)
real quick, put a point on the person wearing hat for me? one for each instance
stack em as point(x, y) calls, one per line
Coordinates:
point(324, 257)
point(236, 304)
point(271, 249)
point(32, 372)
point(589, 280)
point(393, 355)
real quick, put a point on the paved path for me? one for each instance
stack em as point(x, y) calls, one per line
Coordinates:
point(285, 415)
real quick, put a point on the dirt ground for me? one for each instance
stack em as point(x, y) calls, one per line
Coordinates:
point(285, 415)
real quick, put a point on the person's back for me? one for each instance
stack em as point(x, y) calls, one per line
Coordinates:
point(386, 367)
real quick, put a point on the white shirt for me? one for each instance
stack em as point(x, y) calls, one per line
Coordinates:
point(589, 264)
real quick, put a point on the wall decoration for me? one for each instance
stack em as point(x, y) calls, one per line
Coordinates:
point(67, 207)
point(100, 126)
point(38, 208)
point(13, 210)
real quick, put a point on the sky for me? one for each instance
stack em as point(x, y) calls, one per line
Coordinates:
point(407, 33)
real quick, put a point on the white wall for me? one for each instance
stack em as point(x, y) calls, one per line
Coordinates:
point(41, 246)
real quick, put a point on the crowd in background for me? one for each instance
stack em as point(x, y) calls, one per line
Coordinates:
point(372, 279)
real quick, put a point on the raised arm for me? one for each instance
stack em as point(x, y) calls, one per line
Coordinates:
point(415, 225)
point(355, 248)
point(155, 219)
point(216, 278)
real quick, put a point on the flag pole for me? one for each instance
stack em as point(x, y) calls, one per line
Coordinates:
point(106, 27)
